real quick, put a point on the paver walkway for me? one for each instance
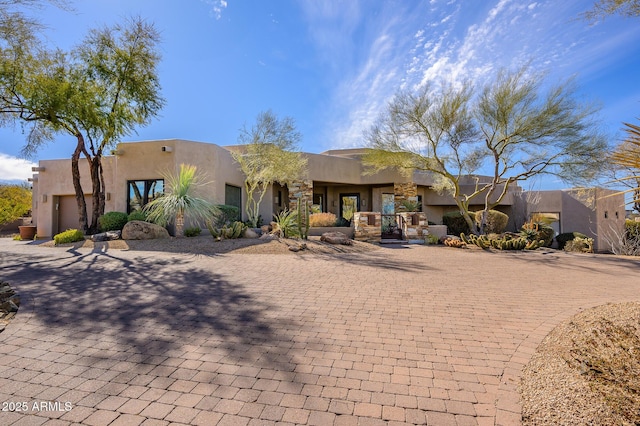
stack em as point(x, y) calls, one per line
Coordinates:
point(420, 335)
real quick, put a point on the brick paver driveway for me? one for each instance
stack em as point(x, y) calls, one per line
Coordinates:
point(422, 335)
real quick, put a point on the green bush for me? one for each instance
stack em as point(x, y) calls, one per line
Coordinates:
point(227, 215)
point(456, 224)
point(68, 236)
point(632, 229)
point(286, 223)
point(432, 239)
point(112, 221)
point(15, 202)
point(496, 221)
point(137, 215)
point(536, 231)
point(192, 232)
point(565, 237)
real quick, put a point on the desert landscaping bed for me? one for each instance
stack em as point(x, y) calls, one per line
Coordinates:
point(205, 245)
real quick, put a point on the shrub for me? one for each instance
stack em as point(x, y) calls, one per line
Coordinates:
point(536, 231)
point(227, 215)
point(565, 237)
point(432, 239)
point(112, 221)
point(286, 223)
point(322, 219)
point(496, 221)
point(137, 215)
point(456, 224)
point(579, 245)
point(632, 229)
point(15, 202)
point(192, 232)
point(68, 236)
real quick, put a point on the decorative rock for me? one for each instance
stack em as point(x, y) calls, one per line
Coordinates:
point(107, 236)
point(265, 229)
point(250, 233)
point(268, 236)
point(336, 238)
point(139, 230)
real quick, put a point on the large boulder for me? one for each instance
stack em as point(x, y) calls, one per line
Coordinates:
point(336, 238)
point(139, 230)
point(251, 233)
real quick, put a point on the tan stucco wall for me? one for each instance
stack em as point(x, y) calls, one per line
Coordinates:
point(147, 160)
point(584, 211)
point(55, 181)
point(136, 161)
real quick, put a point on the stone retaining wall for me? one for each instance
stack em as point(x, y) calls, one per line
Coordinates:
point(368, 226)
point(414, 226)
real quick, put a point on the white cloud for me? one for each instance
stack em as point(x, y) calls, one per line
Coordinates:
point(13, 169)
point(407, 48)
point(217, 7)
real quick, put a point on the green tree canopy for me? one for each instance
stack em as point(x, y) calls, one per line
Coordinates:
point(15, 202)
point(269, 154)
point(98, 93)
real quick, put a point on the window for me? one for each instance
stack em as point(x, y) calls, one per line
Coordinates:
point(349, 204)
point(141, 192)
point(233, 196)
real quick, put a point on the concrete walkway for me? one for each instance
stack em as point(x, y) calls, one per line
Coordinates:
point(420, 335)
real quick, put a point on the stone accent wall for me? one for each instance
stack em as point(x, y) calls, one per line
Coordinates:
point(300, 190)
point(414, 232)
point(368, 226)
point(402, 192)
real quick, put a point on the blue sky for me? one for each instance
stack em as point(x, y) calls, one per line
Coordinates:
point(333, 65)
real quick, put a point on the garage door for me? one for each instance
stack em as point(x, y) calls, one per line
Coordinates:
point(68, 212)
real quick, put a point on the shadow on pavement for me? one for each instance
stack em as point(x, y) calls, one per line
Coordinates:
point(150, 306)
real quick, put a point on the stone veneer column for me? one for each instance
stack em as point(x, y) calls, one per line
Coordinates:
point(300, 190)
point(402, 192)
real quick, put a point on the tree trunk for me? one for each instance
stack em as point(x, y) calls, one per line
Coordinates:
point(180, 225)
point(75, 174)
point(97, 184)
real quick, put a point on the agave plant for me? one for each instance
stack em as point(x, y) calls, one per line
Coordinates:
point(178, 201)
point(286, 222)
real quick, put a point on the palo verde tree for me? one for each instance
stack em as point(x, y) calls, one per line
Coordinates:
point(626, 158)
point(511, 129)
point(604, 8)
point(97, 93)
point(268, 155)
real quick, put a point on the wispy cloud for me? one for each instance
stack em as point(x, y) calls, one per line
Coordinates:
point(375, 53)
point(217, 7)
point(14, 169)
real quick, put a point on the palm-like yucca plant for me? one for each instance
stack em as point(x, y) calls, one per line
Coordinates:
point(627, 155)
point(178, 201)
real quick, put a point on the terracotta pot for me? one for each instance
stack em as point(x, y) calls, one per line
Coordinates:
point(27, 232)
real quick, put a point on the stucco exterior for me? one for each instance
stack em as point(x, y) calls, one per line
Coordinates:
point(332, 174)
point(596, 212)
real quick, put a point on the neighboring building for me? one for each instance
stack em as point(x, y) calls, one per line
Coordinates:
point(336, 182)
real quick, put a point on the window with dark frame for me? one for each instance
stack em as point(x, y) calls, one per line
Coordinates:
point(141, 192)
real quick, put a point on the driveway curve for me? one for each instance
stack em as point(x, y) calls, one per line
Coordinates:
point(414, 335)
